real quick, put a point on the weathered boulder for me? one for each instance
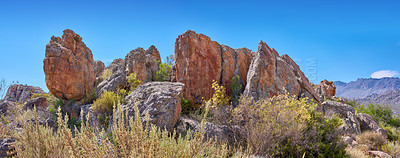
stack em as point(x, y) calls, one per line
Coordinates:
point(21, 93)
point(113, 83)
point(220, 133)
point(349, 141)
point(98, 68)
point(144, 65)
point(379, 154)
point(160, 100)
point(6, 145)
point(40, 102)
point(199, 61)
point(69, 67)
point(4, 105)
point(91, 117)
point(269, 74)
point(326, 89)
point(368, 123)
point(346, 113)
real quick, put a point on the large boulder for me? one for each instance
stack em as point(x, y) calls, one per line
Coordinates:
point(326, 89)
point(69, 67)
point(4, 106)
point(220, 133)
point(40, 102)
point(368, 123)
point(6, 145)
point(143, 64)
point(269, 74)
point(346, 113)
point(160, 100)
point(199, 61)
point(21, 93)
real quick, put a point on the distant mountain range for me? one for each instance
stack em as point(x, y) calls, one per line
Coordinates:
point(385, 91)
point(364, 87)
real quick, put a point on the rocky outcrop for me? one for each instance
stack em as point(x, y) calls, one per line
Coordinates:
point(113, 83)
point(4, 105)
point(160, 100)
point(6, 145)
point(40, 102)
point(220, 133)
point(91, 117)
point(368, 123)
point(326, 89)
point(69, 67)
point(98, 68)
point(152, 50)
point(346, 113)
point(269, 74)
point(21, 93)
point(379, 154)
point(144, 65)
point(199, 61)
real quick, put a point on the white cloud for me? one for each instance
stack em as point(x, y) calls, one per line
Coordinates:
point(385, 73)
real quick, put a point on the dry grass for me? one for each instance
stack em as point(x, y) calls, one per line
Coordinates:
point(356, 153)
point(373, 140)
point(124, 141)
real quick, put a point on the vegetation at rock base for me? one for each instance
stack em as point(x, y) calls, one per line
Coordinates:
point(106, 73)
point(165, 69)
point(106, 102)
point(236, 89)
point(40, 141)
point(133, 82)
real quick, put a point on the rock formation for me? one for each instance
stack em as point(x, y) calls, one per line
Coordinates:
point(40, 102)
point(346, 113)
point(199, 61)
point(144, 65)
point(368, 123)
point(154, 52)
point(21, 93)
point(326, 89)
point(161, 100)
point(269, 74)
point(98, 67)
point(69, 67)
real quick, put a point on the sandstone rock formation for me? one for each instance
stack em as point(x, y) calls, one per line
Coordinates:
point(69, 67)
point(21, 93)
point(346, 113)
point(161, 100)
point(368, 123)
point(199, 61)
point(4, 105)
point(98, 68)
point(270, 73)
point(40, 102)
point(152, 50)
point(326, 89)
point(144, 65)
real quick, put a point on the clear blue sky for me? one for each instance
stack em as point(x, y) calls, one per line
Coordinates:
point(348, 40)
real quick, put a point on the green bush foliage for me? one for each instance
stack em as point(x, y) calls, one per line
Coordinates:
point(283, 126)
point(165, 69)
point(236, 89)
point(106, 102)
point(133, 82)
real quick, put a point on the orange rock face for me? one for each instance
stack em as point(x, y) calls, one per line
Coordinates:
point(199, 61)
point(143, 63)
point(154, 52)
point(69, 67)
point(269, 74)
point(21, 93)
point(326, 89)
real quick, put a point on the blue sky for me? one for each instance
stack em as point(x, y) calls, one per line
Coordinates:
point(334, 40)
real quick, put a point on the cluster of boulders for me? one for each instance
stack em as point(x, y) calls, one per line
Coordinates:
point(72, 73)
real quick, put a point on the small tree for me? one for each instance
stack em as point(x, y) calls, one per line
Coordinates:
point(236, 89)
point(165, 69)
point(133, 82)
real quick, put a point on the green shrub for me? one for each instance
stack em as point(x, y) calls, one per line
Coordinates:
point(393, 133)
point(186, 105)
point(283, 126)
point(236, 89)
point(219, 98)
point(165, 69)
point(380, 113)
point(133, 82)
point(106, 102)
point(89, 97)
